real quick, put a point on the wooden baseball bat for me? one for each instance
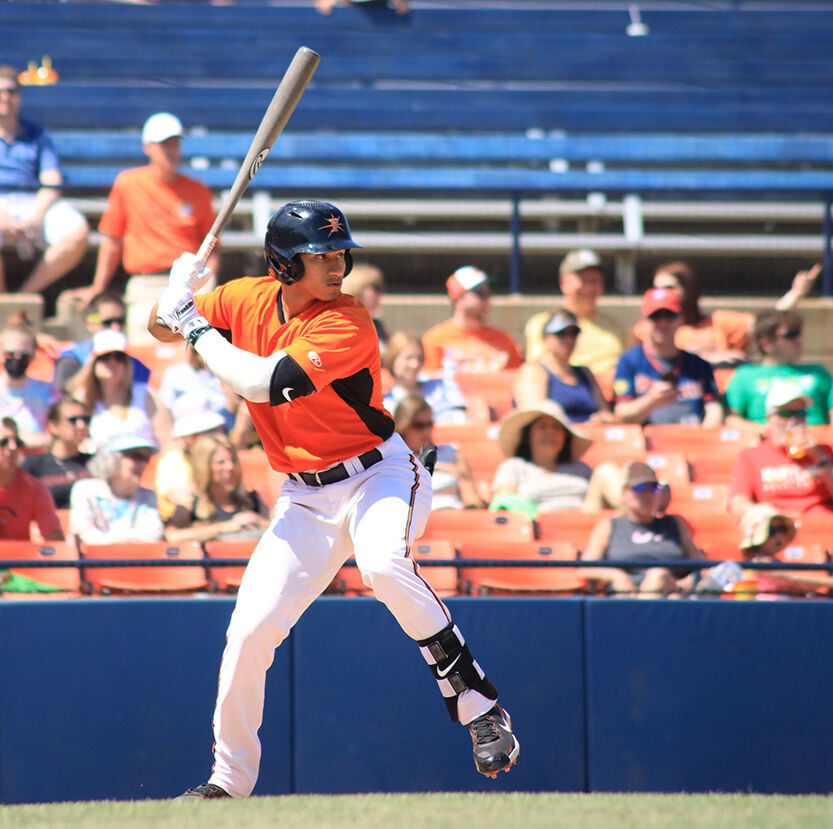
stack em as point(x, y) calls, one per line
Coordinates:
point(289, 92)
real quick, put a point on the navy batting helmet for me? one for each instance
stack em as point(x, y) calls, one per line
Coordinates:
point(305, 227)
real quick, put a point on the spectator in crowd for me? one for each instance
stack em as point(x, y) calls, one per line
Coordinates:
point(786, 470)
point(465, 342)
point(367, 283)
point(543, 470)
point(641, 533)
point(778, 336)
point(600, 343)
point(153, 213)
point(404, 360)
point(174, 480)
point(766, 536)
point(553, 377)
point(454, 486)
point(64, 462)
point(656, 382)
point(32, 214)
point(24, 500)
point(104, 311)
point(189, 387)
point(23, 398)
point(221, 507)
point(105, 384)
point(112, 505)
point(723, 337)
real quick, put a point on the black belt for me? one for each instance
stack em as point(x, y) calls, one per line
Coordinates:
point(336, 473)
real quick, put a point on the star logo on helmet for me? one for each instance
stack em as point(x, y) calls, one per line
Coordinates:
point(333, 224)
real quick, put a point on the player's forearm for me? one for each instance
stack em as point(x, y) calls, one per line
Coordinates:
point(248, 374)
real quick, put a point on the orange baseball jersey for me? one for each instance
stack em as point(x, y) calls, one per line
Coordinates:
point(335, 369)
point(157, 220)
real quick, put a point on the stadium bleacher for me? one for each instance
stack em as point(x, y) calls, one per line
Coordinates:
point(519, 130)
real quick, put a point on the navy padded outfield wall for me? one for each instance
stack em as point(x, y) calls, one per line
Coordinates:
point(111, 698)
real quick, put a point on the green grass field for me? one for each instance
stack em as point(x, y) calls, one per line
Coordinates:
point(431, 811)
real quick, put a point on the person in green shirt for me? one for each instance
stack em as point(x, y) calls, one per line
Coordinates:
point(778, 336)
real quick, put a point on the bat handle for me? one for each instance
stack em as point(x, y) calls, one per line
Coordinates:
point(207, 248)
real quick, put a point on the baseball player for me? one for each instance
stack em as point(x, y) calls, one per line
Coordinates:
point(305, 357)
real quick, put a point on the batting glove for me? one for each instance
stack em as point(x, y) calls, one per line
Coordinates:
point(176, 309)
point(188, 272)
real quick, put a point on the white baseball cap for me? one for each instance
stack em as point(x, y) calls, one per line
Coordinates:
point(467, 278)
point(161, 127)
point(107, 341)
point(782, 393)
point(195, 423)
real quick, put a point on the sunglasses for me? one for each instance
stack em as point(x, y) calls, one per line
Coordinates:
point(13, 442)
point(137, 456)
point(647, 486)
point(775, 529)
point(17, 355)
point(663, 314)
point(111, 321)
point(423, 424)
point(571, 333)
point(79, 420)
point(792, 414)
point(792, 334)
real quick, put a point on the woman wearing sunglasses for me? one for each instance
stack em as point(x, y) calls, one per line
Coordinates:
point(553, 377)
point(641, 533)
point(118, 405)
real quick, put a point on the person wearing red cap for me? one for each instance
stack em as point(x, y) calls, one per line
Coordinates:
point(656, 382)
point(465, 342)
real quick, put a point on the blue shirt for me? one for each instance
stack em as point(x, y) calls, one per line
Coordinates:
point(22, 162)
point(577, 401)
point(636, 373)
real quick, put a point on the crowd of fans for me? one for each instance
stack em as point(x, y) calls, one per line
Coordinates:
point(86, 439)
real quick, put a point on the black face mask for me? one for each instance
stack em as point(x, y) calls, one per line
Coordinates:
point(16, 366)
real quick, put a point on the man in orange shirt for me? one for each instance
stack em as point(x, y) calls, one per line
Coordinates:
point(305, 356)
point(153, 213)
point(465, 342)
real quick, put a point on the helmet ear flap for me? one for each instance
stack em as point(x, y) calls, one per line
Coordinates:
point(285, 270)
point(348, 262)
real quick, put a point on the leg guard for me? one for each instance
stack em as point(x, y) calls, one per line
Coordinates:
point(454, 668)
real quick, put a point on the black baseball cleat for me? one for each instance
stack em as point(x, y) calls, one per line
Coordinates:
point(495, 747)
point(205, 791)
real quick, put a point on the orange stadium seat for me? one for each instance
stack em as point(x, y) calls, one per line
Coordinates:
point(620, 442)
point(66, 579)
point(259, 475)
point(496, 388)
point(226, 579)
point(571, 526)
point(712, 467)
point(696, 496)
point(462, 433)
point(158, 357)
point(670, 467)
point(695, 439)
point(483, 458)
point(484, 580)
point(143, 578)
point(459, 526)
point(716, 533)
